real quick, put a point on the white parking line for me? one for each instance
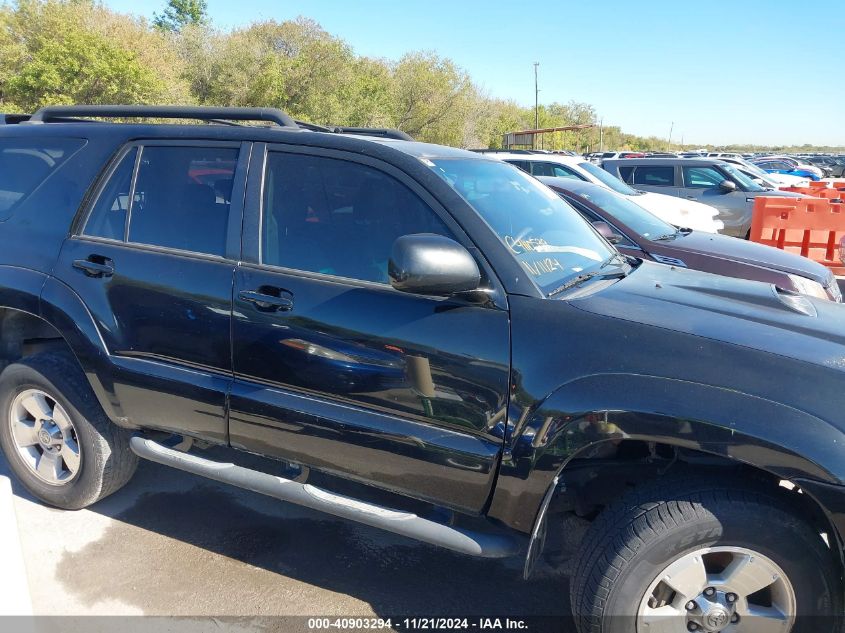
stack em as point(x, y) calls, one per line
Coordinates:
point(14, 587)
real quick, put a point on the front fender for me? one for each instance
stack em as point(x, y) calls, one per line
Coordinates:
point(601, 408)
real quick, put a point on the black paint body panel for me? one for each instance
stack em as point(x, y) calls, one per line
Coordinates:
point(523, 385)
point(431, 372)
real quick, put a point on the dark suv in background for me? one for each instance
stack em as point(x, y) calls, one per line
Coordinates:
point(710, 181)
point(424, 340)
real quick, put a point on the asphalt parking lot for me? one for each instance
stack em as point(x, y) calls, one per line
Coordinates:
point(172, 544)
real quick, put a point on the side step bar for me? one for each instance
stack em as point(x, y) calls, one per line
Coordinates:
point(399, 522)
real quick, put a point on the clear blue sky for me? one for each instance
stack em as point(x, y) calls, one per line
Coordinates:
point(744, 71)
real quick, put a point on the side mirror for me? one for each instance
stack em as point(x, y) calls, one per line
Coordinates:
point(428, 264)
point(607, 232)
point(728, 186)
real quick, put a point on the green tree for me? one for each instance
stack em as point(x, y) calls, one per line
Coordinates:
point(82, 68)
point(76, 51)
point(432, 97)
point(180, 13)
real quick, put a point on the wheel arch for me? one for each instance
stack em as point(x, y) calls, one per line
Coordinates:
point(38, 312)
point(586, 419)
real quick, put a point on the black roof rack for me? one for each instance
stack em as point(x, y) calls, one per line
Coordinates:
point(314, 127)
point(56, 114)
point(363, 131)
point(202, 113)
point(375, 131)
point(505, 151)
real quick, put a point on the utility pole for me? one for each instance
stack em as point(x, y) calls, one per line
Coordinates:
point(536, 106)
point(601, 134)
point(671, 127)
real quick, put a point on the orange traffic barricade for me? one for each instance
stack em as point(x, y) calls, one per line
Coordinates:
point(812, 227)
point(831, 193)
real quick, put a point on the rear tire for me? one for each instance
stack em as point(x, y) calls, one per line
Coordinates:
point(694, 531)
point(58, 441)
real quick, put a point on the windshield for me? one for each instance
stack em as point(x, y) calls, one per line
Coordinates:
point(549, 239)
point(742, 179)
point(754, 169)
point(764, 177)
point(627, 212)
point(608, 180)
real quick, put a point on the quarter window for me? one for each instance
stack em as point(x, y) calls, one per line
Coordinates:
point(524, 165)
point(553, 169)
point(336, 217)
point(26, 163)
point(626, 173)
point(108, 217)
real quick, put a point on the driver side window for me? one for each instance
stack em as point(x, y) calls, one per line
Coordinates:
point(702, 177)
point(336, 217)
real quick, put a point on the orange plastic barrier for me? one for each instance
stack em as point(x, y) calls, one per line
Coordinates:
point(817, 192)
point(812, 227)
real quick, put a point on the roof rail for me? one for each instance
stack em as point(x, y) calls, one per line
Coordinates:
point(314, 127)
point(503, 151)
point(203, 113)
point(8, 119)
point(375, 131)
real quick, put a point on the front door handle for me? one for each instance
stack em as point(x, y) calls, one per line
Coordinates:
point(95, 266)
point(265, 301)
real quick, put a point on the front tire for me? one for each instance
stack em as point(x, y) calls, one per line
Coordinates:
point(705, 556)
point(58, 441)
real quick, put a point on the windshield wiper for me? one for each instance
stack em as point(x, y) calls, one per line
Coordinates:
point(667, 236)
point(575, 281)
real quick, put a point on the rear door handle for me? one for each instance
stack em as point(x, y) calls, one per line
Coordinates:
point(95, 266)
point(268, 302)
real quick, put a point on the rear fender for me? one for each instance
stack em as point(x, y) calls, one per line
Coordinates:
point(62, 308)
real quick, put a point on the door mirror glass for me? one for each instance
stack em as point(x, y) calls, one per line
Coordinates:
point(607, 232)
point(728, 186)
point(429, 264)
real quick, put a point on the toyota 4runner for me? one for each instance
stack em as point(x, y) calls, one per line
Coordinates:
point(382, 315)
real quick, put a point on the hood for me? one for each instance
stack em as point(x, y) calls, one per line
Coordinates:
point(734, 249)
point(680, 211)
point(736, 311)
point(776, 193)
point(661, 200)
point(787, 179)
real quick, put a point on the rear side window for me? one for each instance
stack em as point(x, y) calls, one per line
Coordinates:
point(181, 198)
point(26, 163)
point(170, 196)
point(654, 175)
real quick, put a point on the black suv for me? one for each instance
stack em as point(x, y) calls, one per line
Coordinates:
point(381, 315)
